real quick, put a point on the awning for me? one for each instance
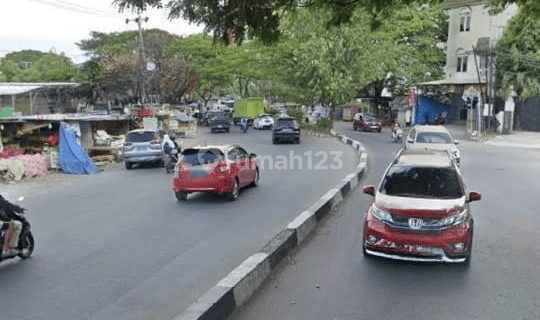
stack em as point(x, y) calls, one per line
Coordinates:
point(449, 82)
point(14, 90)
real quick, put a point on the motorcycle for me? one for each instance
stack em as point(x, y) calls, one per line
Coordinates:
point(397, 135)
point(170, 162)
point(25, 246)
point(244, 126)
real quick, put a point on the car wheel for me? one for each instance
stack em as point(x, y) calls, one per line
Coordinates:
point(297, 141)
point(181, 196)
point(379, 131)
point(128, 165)
point(27, 246)
point(274, 141)
point(256, 180)
point(233, 196)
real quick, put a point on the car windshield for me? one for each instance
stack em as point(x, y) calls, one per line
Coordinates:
point(370, 119)
point(285, 122)
point(195, 156)
point(141, 136)
point(433, 137)
point(422, 182)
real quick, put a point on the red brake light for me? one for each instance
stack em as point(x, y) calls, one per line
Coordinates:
point(125, 144)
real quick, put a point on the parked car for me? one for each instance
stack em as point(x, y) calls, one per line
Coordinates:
point(286, 129)
point(420, 210)
point(142, 146)
point(433, 137)
point(220, 122)
point(264, 121)
point(367, 122)
point(216, 169)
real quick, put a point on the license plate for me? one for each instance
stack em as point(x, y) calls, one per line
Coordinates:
point(287, 130)
point(220, 126)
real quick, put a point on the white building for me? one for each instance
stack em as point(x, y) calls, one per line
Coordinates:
point(472, 32)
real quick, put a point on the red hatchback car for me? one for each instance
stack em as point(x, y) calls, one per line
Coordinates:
point(420, 210)
point(215, 169)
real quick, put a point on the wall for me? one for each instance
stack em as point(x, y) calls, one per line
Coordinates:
point(482, 25)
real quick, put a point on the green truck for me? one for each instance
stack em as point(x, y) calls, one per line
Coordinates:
point(249, 108)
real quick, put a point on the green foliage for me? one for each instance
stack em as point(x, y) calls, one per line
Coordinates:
point(49, 67)
point(518, 56)
point(261, 19)
point(331, 64)
point(325, 124)
point(271, 111)
point(297, 113)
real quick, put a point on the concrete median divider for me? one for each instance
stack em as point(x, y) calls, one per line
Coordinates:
point(238, 286)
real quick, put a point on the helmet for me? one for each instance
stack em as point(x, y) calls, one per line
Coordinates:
point(172, 136)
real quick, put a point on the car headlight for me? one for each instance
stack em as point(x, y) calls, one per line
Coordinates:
point(380, 214)
point(454, 220)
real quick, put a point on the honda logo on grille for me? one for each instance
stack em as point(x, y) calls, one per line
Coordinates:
point(415, 223)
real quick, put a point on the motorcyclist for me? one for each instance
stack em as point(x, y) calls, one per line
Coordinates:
point(9, 215)
point(395, 129)
point(169, 146)
point(177, 148)
point(244, 123)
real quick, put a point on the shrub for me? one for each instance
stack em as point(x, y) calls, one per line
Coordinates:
point(298, 114)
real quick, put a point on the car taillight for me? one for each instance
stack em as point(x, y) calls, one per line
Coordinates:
point(155, 141)
point(179, 167)
point(125, 144)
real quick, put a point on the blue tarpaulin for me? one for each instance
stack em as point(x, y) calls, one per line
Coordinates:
point(71, 156)
point(428, 109)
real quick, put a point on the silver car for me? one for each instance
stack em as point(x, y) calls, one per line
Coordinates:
point(142, 146)
point(434, 138)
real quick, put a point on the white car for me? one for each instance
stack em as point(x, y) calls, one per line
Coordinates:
point(264, 121)
point(434, 138)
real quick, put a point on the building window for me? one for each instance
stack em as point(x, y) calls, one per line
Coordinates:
point(465, 24)
point(462, 64)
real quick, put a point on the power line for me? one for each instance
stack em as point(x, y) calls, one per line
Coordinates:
point(64, 5)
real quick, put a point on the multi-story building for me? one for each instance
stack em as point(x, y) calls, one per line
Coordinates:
point(470, 68)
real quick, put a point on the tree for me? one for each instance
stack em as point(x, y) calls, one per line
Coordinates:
point(332, 64)
point(518, 56)
point(112, 50)
point(121, 73)
point(33, 66)
point(177, 79)
point(262, 18)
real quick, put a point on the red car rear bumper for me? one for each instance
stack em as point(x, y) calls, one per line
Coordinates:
point(220, 184)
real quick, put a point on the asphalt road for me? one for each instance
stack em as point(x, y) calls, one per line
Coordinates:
point(329, 278)
point(119, 246)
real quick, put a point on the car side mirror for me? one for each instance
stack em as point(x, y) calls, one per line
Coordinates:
point(369, 190)
point(474, 196)
point(456, 141)
point(252, 155)
point(410, 140)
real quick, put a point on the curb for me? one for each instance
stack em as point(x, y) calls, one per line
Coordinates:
point(238, 286)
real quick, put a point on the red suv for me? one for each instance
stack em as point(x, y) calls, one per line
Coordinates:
point(366, 122)
point(420, 210)
point(215, 169)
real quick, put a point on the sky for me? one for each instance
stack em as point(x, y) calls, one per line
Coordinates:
point(58, 24)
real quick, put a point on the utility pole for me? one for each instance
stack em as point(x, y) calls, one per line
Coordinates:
point(492, 86)
point(138, 20)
